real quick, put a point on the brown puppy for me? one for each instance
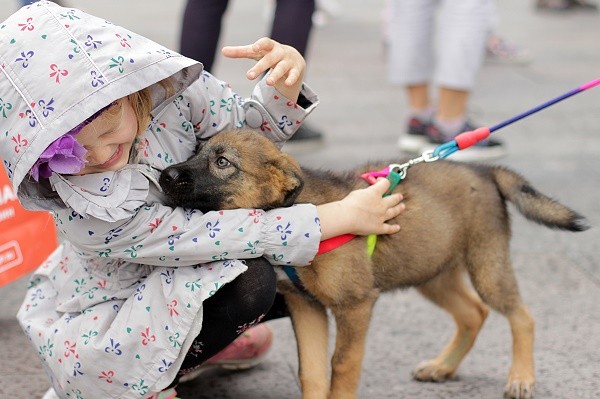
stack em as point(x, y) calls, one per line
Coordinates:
point(455, 223)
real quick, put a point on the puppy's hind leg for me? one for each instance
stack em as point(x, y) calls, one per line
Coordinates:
point(495, 282)
point(451, 292)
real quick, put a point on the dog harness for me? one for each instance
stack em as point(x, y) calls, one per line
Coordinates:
point(390, 173)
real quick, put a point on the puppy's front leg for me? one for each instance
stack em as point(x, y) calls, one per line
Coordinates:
point(352, 326)
point(309, 319)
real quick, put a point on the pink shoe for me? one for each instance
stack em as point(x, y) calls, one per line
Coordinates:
point(166, 394)
point(248, 350)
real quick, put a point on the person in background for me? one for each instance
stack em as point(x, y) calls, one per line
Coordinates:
point(451, 68)
point(500, 51)
point(565, 5)
point(292, 25)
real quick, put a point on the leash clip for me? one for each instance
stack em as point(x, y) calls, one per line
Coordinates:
point(402, 169)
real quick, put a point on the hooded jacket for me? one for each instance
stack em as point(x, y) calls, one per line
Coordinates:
point(113, 311)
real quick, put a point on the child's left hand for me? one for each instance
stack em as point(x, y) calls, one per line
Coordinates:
point(362, 212)
point(285, 62)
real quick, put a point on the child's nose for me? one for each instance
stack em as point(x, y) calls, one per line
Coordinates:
point(97, 155)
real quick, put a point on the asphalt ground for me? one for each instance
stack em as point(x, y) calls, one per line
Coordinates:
point(362, 116)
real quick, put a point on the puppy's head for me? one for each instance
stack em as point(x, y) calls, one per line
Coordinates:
point(234, 169)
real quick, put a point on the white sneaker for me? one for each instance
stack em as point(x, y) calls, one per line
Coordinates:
point(499, 51)
point(415, 137)
point(50, 394)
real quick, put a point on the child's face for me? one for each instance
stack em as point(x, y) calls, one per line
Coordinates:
point(109, 138)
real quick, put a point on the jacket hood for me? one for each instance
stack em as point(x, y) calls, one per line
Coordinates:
point(58, 66)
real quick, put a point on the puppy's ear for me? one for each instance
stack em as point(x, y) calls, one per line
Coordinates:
point(200, 144)
point(291, 178)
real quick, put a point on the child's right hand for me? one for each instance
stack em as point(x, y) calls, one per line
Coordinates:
point(362, 212)
point(285, 64)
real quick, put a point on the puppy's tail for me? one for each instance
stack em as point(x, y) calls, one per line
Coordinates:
point(534, 205)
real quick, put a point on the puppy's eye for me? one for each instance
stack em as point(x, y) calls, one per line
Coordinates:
point(223, 162)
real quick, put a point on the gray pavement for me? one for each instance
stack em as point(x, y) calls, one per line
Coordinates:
point(557, 150)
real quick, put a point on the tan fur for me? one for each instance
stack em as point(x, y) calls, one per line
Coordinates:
point(455, 225)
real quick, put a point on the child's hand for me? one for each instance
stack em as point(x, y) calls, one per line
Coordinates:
point(286, 64)
point(362, 212)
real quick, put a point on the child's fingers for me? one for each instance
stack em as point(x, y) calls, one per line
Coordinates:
point(381, 186)
point(261, 66)
point(292, 77)
point(390, 228)
point(283, 69)
point(269, 55)
point(395, 211)
point(277, 72)
point(393, 206)
point(394, 199)
point(266, 58)
point(264, 44)
point(239, 52)
point(254, 51)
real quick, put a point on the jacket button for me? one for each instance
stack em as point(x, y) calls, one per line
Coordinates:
point(254, 118)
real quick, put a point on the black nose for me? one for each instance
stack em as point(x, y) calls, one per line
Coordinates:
point(174, 180)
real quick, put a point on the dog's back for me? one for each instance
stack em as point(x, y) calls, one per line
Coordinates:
point(451, 209)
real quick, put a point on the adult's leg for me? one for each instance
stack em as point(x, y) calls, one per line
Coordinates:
point(200, 30)
point(464, 29)
point(410, 64)
point(412, 24)
point(292, 23)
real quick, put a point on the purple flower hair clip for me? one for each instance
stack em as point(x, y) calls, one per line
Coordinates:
point(65, 155)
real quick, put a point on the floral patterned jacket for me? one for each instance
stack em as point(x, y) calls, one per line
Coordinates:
point(114, 309)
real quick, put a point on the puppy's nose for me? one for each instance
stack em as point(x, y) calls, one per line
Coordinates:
point(170, 175)
point(173, 180)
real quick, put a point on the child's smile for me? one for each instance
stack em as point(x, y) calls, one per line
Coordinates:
point(109, 138)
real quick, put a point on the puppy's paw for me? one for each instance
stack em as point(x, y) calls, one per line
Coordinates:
point(519, 389)
point(433, 371)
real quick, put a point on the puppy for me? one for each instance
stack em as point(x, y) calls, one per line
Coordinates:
point(456, 223)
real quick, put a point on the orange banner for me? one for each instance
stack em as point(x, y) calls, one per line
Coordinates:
point(26, 237)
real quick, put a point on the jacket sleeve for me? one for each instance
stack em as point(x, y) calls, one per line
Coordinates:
point(159, 235)
point(212, 106)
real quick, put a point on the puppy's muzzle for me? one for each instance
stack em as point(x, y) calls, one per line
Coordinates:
point(176, 181)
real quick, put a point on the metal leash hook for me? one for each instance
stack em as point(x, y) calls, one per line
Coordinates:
point(402, 169)
point(396, 172)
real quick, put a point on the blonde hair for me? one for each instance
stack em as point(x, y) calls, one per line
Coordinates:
point(142, 104)
point(141, 101)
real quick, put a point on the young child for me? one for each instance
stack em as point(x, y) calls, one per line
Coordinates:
point(140, 293)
